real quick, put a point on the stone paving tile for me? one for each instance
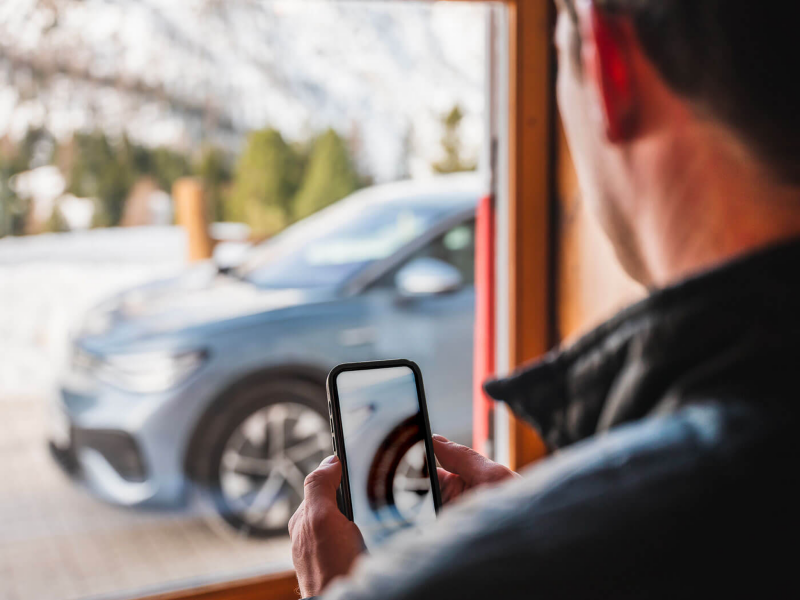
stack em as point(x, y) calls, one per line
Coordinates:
point(59, 543)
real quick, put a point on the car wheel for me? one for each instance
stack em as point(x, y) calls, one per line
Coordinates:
point(257, 452)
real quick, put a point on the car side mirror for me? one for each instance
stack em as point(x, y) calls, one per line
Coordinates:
point(427, 277)
point(230, 255)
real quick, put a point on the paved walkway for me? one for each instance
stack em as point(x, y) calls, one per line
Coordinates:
point(59, 543)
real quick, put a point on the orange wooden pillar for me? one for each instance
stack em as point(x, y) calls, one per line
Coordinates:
point(530, 197)
point(519, 273)
point(190, 212)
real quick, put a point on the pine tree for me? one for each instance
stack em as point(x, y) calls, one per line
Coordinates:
point(34, 150)
point(266, 179)
point(104, 171)
point(168, 166)
point(13, 209)
point(215, 172)
point(330, 175)
point(451, 144)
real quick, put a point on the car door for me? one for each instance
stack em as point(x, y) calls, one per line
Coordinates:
point(434, 330)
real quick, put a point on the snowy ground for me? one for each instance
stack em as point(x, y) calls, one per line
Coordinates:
point(49, 525)
point(47, 282)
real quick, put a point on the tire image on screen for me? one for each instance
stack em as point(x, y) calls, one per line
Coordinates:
point(398, 484)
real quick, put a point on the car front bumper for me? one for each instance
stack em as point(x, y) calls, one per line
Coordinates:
point(123, 449)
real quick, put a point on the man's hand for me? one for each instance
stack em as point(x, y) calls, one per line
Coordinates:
point(325, 543)
point(464, 469)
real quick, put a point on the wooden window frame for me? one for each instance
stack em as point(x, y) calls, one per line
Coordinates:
point(526, 292)
point(527, 233)
point(277, 586)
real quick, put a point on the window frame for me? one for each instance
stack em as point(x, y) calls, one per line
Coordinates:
point(274, 586)
point(522, 95)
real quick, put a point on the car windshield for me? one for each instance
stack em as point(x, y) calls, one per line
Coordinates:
point(337, 242)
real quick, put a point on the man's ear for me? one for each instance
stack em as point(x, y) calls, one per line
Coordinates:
point(606, 54)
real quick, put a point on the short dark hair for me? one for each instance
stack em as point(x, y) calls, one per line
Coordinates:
point(735, 60)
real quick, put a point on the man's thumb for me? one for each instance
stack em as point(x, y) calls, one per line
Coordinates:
point(324, 480)
point(461, 460)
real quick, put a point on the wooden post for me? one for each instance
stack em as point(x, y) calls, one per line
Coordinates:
point(531, 98)
point(190, 212)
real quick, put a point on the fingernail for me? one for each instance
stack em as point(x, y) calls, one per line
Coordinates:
point(440, 438)
point(330, 460)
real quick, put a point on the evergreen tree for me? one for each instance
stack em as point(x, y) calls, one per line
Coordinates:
point(13, 209)
point(34, 150)
point(330, 175)
point(168, 166)
point(215, 172)
point(451, 144)
point(266, 179)
point(101, 170)
point(107, 169)
point(56, 222)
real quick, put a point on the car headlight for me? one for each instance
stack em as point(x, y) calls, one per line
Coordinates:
point(149, 372)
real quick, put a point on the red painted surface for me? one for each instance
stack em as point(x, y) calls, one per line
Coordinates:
point(484, 353)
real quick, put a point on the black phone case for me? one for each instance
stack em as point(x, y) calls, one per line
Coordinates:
point(343, 496)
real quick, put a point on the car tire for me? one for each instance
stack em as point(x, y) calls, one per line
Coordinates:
point(253, 450)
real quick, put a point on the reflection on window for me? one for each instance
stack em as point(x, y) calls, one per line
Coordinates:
point(456, 247)
point(338, 242)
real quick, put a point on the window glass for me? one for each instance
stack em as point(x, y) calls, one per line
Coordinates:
point(352, 237)
point(455, 247)
point(185, 186)
point(458, 249)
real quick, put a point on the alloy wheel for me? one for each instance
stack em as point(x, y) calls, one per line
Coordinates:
point(265, 462)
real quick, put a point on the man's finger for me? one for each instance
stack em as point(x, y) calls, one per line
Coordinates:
point(321, 484)
point(465, 462)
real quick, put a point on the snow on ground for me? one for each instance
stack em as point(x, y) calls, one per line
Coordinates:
point(48, 281)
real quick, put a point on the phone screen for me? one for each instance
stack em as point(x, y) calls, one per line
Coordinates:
point(388, 471)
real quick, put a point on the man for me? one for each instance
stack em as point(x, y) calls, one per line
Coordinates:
point(674, 422)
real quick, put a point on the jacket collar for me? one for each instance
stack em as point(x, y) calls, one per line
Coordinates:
point(656, 355)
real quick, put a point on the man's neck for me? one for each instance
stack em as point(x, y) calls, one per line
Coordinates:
point(721, 210)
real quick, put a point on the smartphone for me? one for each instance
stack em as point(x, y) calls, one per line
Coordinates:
point(382, 436)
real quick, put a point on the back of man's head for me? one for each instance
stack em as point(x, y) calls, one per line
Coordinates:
point(736, 60)
point(677, 112)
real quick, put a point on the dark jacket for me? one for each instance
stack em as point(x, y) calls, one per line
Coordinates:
point(675, 427)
